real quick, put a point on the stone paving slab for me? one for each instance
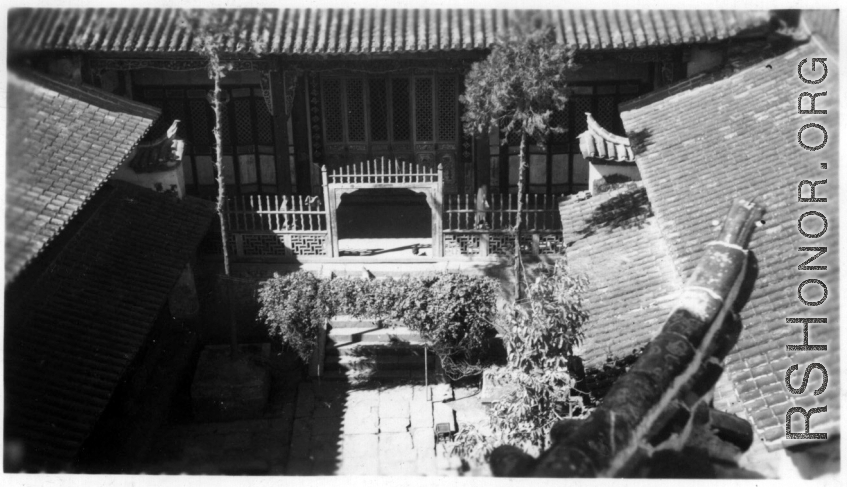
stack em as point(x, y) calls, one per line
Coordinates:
point(362, 465)
point(374, 430)
point(420, 412)
point(423, 440)
point(361, 424)
point(394, 425)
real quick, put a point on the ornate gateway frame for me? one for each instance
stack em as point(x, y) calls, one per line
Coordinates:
point(381, 174)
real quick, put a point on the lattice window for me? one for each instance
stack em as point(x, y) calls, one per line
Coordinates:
point(423, 109)
point(175, 111)
point(379, 108)
point(581, 104)
point(225, 136)
point(264, 122)
point(447, 100)
point(514, 138)
point(333, 116)
point(559, 119)
point(201, 127)
point(401, 109)
point(243, 121)
point(355, 109)
point(606, 113)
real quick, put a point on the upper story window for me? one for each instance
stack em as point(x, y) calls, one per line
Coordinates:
point(246, 131)
point(398, 109)
point(558, 167)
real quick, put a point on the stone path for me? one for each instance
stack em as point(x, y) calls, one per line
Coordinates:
point(369, 430)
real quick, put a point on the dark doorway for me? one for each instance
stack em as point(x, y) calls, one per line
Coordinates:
point(384, 213)
point(399, 218)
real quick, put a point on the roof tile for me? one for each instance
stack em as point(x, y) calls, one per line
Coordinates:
point(88, 313)
point(617, 229)
point(364, 31)
point(53, 152)
point(693, 172)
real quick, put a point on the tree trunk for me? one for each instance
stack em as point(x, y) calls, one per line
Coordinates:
point(518, 261)
point(221, 204)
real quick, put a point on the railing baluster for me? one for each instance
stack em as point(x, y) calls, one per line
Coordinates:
point(284, 209)
point(268, 212)
point(467, 214)
point(276, 201)
point(312, 216)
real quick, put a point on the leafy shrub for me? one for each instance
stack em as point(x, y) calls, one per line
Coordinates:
point(452, 311)
point(541, 335)
point(291, 311)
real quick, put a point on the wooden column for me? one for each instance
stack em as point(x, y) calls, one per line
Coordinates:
point(280, 119)
point(300, 132)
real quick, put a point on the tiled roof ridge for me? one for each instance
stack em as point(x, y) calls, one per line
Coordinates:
point(348, 31)
point(90, 94)
point(598, 143)
point(715, 75)
point(22, 78)
point(586, 194)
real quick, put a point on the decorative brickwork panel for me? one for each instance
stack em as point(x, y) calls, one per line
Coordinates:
point(461, 244)
point(502, 244)
point(379, 108)
point(423, 109)
point(264, 244)
point(314, 93)
point(550, 244)
point(308, 244)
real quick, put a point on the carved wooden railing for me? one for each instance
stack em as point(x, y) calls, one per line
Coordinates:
point(484, 225)
point(275, 226)
point(381, 173)
point(653, 409)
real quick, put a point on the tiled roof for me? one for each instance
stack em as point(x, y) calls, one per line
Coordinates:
point(599, 143)
point(63, 142)
point(705, 142)
point(613, 239)
point(86, 315)
point(367, 31)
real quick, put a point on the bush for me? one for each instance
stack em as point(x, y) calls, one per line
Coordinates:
point(541, 335)
point(291, 311)
point(452, 311)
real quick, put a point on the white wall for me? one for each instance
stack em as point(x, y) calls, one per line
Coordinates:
point(599, 171)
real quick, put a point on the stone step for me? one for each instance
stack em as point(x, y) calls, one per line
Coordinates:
point(359, 349)
point(345, 321)
point(383, 362)
point(367, 375)
point(342, 336)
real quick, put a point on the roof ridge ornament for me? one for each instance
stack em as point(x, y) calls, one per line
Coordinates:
point(601, 145)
